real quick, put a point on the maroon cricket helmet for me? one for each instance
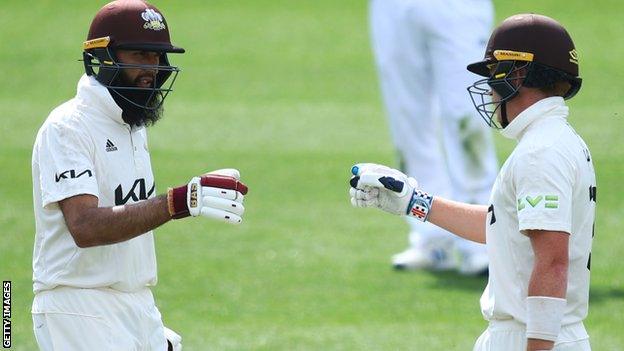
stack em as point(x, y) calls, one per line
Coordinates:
point(531, 38)
point(536, 46)
point(133, 25)
point(130, 25)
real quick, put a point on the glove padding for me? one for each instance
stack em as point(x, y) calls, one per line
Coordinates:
point(218, 195)
point(374, 185)
point(174, 340)
point(379, 186)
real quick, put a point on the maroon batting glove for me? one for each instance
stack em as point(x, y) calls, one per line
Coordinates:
point(178, 199)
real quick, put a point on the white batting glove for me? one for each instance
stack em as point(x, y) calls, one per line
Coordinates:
point(174, 340)
point(217, 195)
point(374, 185)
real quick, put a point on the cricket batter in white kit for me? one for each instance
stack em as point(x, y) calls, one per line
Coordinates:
point(421, 49)
point(95, 199)
point(538, 226)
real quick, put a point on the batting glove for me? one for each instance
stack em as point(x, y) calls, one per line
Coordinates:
point(174, 340)
point(374, 185)
point(218, 195)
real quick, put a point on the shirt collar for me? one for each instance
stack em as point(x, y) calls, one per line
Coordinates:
point(549, 107)
point(93, 95)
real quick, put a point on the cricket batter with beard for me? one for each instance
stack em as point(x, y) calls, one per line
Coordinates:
point(94, 195)
point(538, 225)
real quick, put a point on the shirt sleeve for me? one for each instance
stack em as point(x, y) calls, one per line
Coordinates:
point(544, 181)
point(66, 164)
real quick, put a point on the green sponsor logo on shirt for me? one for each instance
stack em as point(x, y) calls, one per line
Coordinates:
point(534, 201)
point(549, 201)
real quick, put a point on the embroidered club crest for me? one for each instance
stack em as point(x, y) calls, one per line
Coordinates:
point(574, 56)
point(153, 20)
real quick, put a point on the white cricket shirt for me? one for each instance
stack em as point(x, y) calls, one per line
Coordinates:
point(84, 147)
point(547, 183)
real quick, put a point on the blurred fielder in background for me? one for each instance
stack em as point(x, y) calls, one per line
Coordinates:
point(421, 49)
point(539, 223)
point(94, 193)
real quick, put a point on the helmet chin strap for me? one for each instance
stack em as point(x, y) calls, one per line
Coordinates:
point(503, 114)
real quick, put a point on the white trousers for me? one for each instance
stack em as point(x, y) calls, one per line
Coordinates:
point(68, 319)
point(511, 336)
point(422, 49)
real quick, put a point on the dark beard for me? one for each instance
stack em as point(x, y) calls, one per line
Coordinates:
point(134, 115)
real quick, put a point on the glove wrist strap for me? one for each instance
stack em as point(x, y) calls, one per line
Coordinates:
point(176, 202)
point(420, 205)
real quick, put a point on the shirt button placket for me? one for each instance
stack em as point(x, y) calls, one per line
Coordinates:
point(136, 145)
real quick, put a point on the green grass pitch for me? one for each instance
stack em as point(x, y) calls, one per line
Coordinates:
point(286, 91)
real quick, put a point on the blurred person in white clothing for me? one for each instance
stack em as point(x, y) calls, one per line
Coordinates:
point(421, 49)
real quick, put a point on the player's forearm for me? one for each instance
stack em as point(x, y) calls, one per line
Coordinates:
point(549, 278)
point(547, 290)
point(539, 345)
point(465, 220)
point(108, 225)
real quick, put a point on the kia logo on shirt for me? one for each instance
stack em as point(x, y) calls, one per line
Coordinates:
point(71, 174)
point(137, 193)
